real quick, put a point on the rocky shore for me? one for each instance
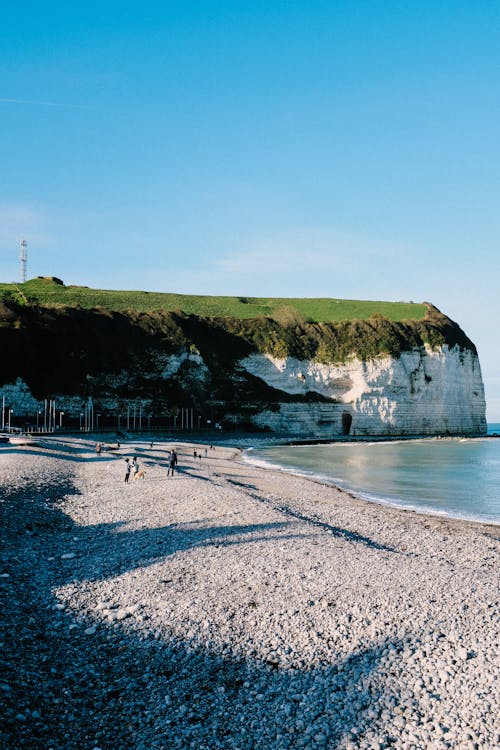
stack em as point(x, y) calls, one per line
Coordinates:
point(232, 606)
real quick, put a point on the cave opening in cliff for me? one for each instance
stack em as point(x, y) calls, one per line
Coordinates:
point(346, 423)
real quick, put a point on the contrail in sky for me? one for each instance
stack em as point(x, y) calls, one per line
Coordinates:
point(41, 103)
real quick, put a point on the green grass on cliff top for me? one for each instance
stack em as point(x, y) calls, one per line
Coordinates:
point(47, 291)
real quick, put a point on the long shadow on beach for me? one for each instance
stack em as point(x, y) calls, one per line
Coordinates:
point(83, 455)
point(141, 548)
point(124, 688)
point(348, 535)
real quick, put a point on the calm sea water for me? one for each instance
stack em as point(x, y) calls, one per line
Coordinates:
point(455, 477)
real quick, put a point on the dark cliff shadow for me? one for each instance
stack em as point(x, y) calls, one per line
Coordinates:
point(189, 472)
point(105, 551)
point(351, 536)
point(243, 485)
point(83, 456)
point(127, 688)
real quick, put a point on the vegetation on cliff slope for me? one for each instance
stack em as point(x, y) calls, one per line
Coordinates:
point(52, 291)
point(125, 354)
point(337, 342)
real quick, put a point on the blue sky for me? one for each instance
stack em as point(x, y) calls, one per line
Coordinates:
point(343, 149)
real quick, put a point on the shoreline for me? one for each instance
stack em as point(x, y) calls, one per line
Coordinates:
point(267, 462)
point(234, 607)
point(363, 494)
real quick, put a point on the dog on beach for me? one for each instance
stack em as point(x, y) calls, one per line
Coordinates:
point(139, 474)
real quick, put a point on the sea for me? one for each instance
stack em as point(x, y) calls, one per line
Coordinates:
point(457, 477)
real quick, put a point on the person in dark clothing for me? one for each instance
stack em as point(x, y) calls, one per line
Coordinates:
point(172, 462)
point(127, 470)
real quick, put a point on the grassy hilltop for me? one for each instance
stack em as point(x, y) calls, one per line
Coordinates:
point(51, 291)
point(117, 345)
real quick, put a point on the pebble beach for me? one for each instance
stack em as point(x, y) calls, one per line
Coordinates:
point(234, 606)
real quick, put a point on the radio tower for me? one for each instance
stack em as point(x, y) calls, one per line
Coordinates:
point(23, 258)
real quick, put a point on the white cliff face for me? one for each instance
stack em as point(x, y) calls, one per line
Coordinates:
point(18, 397)
point(173, 363)
point(423, 392)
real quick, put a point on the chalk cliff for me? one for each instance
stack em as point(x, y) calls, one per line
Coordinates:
point(357, 377)
point(422, 392)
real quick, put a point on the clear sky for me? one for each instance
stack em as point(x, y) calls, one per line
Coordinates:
point(340, 149)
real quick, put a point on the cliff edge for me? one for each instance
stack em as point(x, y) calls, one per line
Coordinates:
point(282, 372)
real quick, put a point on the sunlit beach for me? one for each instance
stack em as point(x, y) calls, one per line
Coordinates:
point(233, 606)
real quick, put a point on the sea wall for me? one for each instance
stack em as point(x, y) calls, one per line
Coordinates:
point(422, 392)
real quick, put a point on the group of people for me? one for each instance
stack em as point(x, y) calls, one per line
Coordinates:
point(196, 454)
point(132, 466)
point(99, 448)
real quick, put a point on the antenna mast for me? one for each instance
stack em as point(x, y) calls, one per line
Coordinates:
point(23, 258)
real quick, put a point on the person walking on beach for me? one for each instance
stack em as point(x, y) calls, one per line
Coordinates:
point(135, 465)
point(172, 462)
point(98, 449)
point(127, 470)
